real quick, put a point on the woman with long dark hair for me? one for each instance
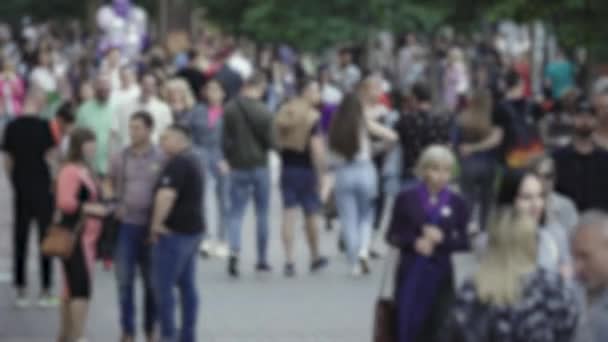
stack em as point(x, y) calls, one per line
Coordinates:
point(356, 177)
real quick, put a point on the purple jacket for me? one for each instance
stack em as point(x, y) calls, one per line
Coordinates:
point(409, 215)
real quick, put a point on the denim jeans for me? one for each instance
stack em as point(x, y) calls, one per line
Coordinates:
point(243, 184)
point(132, 252)
point(477, 177)
point(221, 185)
point(174, 264)
point(356, 190)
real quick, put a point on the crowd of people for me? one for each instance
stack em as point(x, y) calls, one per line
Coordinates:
point(480, 161)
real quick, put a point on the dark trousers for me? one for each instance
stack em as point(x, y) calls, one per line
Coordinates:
point(37, 207)
point(477, 179)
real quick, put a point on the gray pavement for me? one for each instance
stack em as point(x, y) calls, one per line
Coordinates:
point(328, 307)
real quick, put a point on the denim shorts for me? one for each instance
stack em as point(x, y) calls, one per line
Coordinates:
point(299, 189)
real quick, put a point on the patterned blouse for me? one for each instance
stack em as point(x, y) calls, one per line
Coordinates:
point(419, 130)
point(547, 312)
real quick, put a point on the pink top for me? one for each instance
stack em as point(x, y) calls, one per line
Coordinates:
point(215, 113)
point(71, 178)
point(12, 96)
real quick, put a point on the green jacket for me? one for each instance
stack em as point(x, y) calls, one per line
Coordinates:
point(248, 133)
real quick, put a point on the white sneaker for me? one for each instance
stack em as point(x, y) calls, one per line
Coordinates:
point(47, 302)
point(357, 271)
point(221, 250)
point(206, 247)
point(22, 302)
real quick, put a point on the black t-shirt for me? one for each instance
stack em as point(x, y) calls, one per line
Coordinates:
point(582, 177)
point(183, 174)
point(195, 78)
point(27, 140)
point(303, 159)
point(519, 121)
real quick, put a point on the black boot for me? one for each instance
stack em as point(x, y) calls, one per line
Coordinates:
point(233, 267)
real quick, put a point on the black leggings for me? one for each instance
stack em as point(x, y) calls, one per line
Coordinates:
point(78, 278)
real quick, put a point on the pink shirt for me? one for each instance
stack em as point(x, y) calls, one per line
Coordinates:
point(215, 113)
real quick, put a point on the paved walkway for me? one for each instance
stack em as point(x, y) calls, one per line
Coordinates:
point(328, 307)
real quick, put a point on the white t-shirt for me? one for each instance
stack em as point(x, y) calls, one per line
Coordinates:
point(160, 111)
point(44, 78)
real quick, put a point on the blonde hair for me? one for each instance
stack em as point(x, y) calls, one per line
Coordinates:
point(434, 155)
point(180, 85)
point(510, 256)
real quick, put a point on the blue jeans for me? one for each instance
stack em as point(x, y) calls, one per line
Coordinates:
point(131, 252)
point(356, 189)
point(243, 184)
point(174, 264)
point(211, 159)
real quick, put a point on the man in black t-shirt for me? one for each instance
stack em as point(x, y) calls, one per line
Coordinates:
point(177, 231)
point(27, 143)
point(582, 167)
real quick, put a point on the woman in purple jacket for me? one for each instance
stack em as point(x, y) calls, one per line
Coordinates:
point(429, 223)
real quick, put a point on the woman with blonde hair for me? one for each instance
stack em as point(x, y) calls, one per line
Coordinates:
point(429, 223)
point(511, 298)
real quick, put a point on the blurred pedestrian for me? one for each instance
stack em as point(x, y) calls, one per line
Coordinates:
point(356, 177)
point(419, 129)
point(510, 298)
point(133, 175)
point(429, 223)
point(78, 203)
point(518, 117)
point(12, 91)
point(215, 166)
point(302, 147)
point(97, 115)
point(559, 75)
point(28, 144)
point(524, 191)
point(582, 166)
point(247, 138)
point(475, 139)
point(148, 101)
point(560, 209)
point(590, 247)
point(177, 230)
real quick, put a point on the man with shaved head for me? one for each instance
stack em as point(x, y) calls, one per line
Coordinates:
point(590, 250)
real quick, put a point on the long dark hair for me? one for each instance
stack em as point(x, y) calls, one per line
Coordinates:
point(345, 127)
point(78, 138)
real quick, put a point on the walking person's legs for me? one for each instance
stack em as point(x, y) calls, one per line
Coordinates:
point(21, 233)
point(44, 215)
point(186, 283)
point(287, 236)
point(347, 212)
point(149, 322)
point(261, 196)
point(125, 263)
point(239, 194)
point(165, 271)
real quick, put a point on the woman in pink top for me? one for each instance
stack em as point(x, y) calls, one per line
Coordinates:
point(12, 91)
point(77, 199)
